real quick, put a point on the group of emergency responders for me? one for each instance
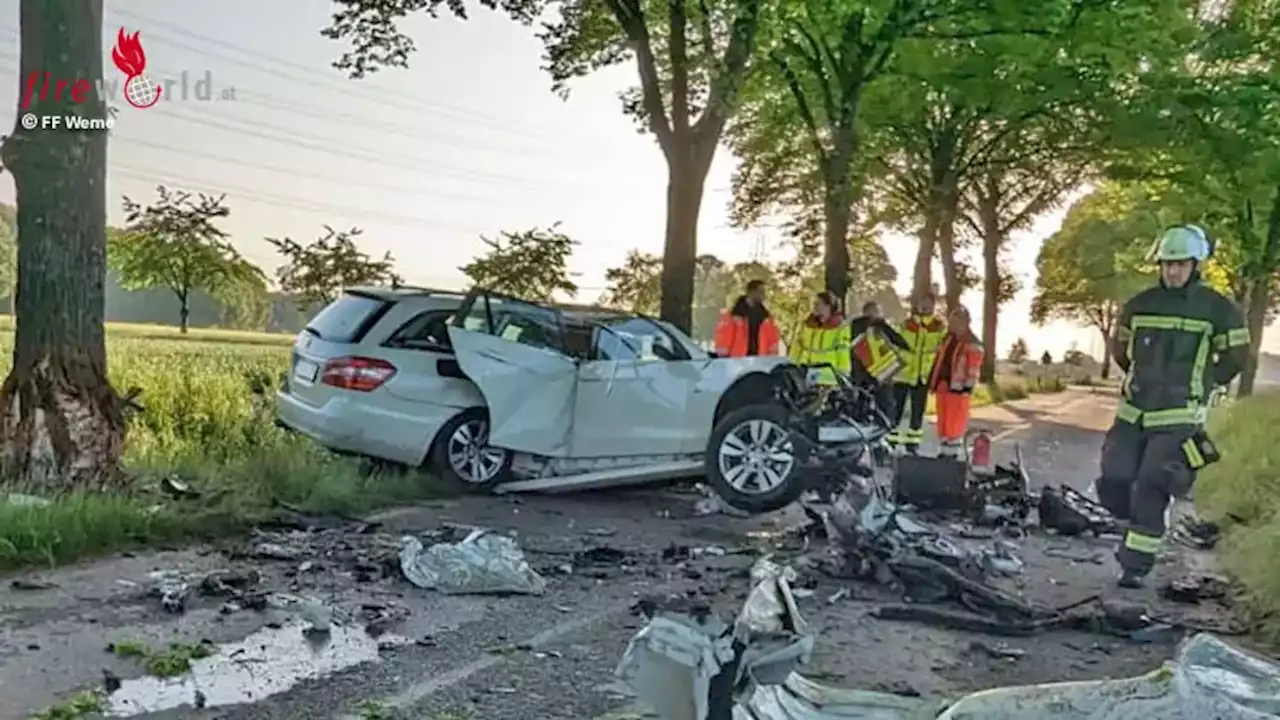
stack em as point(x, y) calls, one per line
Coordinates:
point(1176, 342)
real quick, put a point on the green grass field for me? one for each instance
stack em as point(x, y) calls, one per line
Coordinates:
point(204, 424)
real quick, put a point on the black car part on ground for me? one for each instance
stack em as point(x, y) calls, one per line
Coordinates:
point(1069, 512)
point(1001, 496)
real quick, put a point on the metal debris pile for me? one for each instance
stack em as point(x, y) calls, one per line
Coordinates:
point(695, 667)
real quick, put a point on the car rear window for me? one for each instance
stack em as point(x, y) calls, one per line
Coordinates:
point(348, 318)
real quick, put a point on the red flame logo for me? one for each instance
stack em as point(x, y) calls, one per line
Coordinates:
point(140, 91)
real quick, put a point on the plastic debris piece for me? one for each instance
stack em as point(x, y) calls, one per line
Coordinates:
point(482, 563)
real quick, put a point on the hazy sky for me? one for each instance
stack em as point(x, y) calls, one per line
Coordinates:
point(468, 141)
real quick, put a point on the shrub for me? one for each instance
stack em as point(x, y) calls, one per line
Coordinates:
point(1242, 492)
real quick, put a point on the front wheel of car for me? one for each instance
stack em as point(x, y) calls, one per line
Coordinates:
point(463, 456)
point(753, 462)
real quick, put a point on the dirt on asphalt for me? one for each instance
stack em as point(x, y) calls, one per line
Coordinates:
point(394, 650)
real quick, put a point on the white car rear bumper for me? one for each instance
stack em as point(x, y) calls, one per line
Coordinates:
point(399, 434)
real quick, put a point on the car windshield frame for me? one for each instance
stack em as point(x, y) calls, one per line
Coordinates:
point(568, 317)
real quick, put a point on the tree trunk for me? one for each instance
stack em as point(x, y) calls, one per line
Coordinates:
point(1256, 318)
point(184, 311)
point(947, 257)
point(991, 242)
point(63, 426)
point(922, 275)
point(839, 201)
point(687, 168)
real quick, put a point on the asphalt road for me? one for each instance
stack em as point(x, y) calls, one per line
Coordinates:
point(521, 657)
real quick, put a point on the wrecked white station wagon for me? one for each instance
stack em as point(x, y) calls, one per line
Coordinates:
point(498, 393)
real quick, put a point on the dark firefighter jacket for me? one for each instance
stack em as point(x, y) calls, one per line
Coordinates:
point(1175, 345)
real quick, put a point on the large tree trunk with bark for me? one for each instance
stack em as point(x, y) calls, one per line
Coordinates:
point(839, 202)
point(686, 179)
point(992, 239)
point(947, 258)
point(922, 274)
point(1256, 318)
point(63, 425)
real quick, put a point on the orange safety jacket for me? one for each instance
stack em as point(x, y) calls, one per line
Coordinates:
point(959, 364)
point(732, 334)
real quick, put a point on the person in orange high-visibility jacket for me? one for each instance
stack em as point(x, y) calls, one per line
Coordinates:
point(747, 328)
point(955, 375)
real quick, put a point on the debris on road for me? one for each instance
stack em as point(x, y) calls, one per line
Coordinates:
point(482, 563)
point(1069, 512)
point(750, 671)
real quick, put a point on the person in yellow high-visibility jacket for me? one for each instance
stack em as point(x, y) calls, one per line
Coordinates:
point(824, 338)
point(923, 332)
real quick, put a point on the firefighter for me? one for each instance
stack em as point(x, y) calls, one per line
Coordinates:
point(922, 332)
point(954, 377)
point(747, 328)
point(1176, 342)
point(824, 338)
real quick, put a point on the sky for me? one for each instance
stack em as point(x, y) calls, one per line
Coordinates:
point(468, 141)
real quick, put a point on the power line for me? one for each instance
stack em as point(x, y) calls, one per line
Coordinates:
point(316, 113)
point(328, 144)
point(150, 175)
point(415, 104)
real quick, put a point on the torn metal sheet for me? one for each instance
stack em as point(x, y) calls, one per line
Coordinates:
point(481, 563)
point(679, 667)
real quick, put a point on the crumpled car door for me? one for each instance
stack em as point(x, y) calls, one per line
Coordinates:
point(529, 390)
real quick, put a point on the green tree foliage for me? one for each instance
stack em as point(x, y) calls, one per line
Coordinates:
point(533, 265)
point(636, 285)
point(692, 57)
point(316, 273)
point(1209, 123)
point(176, 244)
point(1097, 260)
point(1018, 351)
point(244, 300)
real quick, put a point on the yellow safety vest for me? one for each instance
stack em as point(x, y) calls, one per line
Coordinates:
point(880, 359)
point(923, 336)
point(819, 344)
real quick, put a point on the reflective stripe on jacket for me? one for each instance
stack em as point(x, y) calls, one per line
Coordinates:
point(965, 364)
point(878, 356)
point(923, 336)
point(731, 336)
point(1175, 345)
point(820, 343)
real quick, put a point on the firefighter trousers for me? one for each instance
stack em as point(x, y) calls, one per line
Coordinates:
point(1142, 470)
point(917, 397)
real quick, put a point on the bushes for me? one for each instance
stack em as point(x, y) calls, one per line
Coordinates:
point(1242, 492)
point(204, 424)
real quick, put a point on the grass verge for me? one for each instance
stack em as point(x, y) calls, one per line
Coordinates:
point(208, 423)
point(1242, 492)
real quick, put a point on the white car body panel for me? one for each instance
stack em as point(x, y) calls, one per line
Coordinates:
point(529, 390)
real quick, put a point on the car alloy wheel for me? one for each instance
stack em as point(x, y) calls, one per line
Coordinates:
point(470, 455)
point(756, 456)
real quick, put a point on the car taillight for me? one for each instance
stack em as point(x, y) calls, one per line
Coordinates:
point(357, 373)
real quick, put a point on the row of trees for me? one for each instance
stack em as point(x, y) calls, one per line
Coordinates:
point(957, 121)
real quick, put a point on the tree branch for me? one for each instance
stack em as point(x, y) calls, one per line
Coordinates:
point(678, 50)
point(728, 80)
point(802, 107)
point(631, 17)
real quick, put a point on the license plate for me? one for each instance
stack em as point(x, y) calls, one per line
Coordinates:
point(306, 371)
